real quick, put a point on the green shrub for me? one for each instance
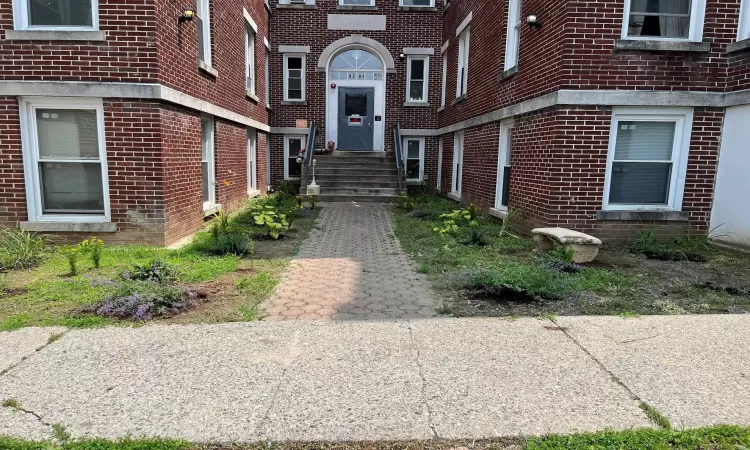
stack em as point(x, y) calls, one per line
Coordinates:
point(156, 271)
point(276, 224)
point(686, 248)
point(517, 276)
point(474, 236)
point(20, 249)
point(71, 254)
point(403, 201)
point(94, 248)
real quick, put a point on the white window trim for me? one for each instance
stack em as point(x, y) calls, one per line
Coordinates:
point(250, 43)
point(267, 70)
point(30, 149)
point(204, 12)
point(268, 161)
point(683, 118)
point(425, 78)
point(287, 156)
point(286, 76)
point(252, 156)
point(458, 149)
point(445, 79)
point(697, 18)
point(343, 3)
point(440, 164)
point(431, 5)
point(21, 18)
point(207, 140)
point(513, 35)
point(463, 62)
point(743, 31)
point(504, 147)
point(405, 146)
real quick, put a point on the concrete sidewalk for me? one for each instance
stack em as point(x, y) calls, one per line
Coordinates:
point(387, 380)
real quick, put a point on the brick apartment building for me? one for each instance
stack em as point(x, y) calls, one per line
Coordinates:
point(125, 119)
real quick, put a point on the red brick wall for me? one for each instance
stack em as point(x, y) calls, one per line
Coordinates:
point(12, 184)
point(177, 47)
point(128, 55)
point(231, 165)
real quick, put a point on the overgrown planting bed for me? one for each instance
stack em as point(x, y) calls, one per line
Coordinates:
point(228, 269)
point(485, 269)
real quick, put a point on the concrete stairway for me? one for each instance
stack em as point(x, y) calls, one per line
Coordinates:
point(357, 177)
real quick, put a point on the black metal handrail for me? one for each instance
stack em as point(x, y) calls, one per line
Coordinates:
point(399, 156)
point(307, 161)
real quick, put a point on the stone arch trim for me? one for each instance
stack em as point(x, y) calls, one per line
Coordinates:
point(356, 39)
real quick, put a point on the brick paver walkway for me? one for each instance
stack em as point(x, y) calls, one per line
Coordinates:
point(351, 267)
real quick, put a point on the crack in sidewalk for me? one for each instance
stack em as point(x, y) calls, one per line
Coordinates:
point(31, 413)
point(54, 337)
point(652, 413)
point(424, 381)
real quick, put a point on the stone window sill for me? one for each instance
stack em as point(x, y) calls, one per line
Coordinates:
point(460, 99)
point(252, 97)
point(357, 8)
point(441, 109)
point(509, 73)
point(417, 104)
point(660, 216)
point(454, 196)
point(417, 8)
point(70, 227)
point(501, 214)
point(662, 46)
point(211, 210)
point(738, 46)
point(294, 102)
point(206, 68)
point(296, 6)
point(55, 35)
point(253, 193)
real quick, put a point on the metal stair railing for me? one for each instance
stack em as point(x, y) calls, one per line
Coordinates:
point(399, 156)
point(307, 162)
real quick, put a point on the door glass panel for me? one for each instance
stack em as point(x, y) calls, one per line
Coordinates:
point(412, 149)
point(355, 104)
point(295, 168)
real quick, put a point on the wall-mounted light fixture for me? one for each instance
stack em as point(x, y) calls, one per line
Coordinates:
point(533, 20)
point(402, 56)
point(187, 15)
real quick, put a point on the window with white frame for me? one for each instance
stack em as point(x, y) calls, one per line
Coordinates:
point(268, 77)
point(292, 146)
point(744, 28)
point(513, 35)
point(252, 168)
point(357, 2)
point(56, 14)
point(502, 192)
point(203, 20)
point(647, 158)
point(458, 159)
point(445, 79)
point(414, 158)
point(664, 19)
point(207, 162)
point(416, 75)
point(296, 2)
point(418, 3)
point(65, 159)
point(250, 60)
point(294, 77)
point(462, 80)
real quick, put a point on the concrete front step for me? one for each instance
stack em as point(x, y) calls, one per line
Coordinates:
point(355, 171)
point(355, 154)
point(356, 179)
point(364, 164)
point(356, 198)
point(355, 184)
point(358, 190)
point(353, 160)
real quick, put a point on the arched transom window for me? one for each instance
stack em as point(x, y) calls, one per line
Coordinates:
point(356, 65)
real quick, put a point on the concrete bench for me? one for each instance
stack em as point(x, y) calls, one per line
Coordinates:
point(585, 247)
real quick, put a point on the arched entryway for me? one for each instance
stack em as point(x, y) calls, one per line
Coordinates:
point(355, 102)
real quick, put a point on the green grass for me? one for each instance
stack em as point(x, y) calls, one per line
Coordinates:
point(47, 295)
point(722, 437)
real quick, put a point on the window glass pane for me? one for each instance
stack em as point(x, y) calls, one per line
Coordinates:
point(295, 84)
point(356, 59)
point(417, 2)
point(416, 89)
point(294, 94)
point(640, 183)
point(417, 69)
point(204, 178)
point(72, 187)
point(667, 18)
point(60, 12)
point(67, 134)
point(355, 104)
point(356, 2)
point(294, 63)
point(644, 141)
point(412, 149)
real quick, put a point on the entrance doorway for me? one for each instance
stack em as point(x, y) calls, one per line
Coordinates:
point(356, 118)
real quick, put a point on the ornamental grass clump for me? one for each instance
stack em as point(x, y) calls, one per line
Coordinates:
point(21, 250)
